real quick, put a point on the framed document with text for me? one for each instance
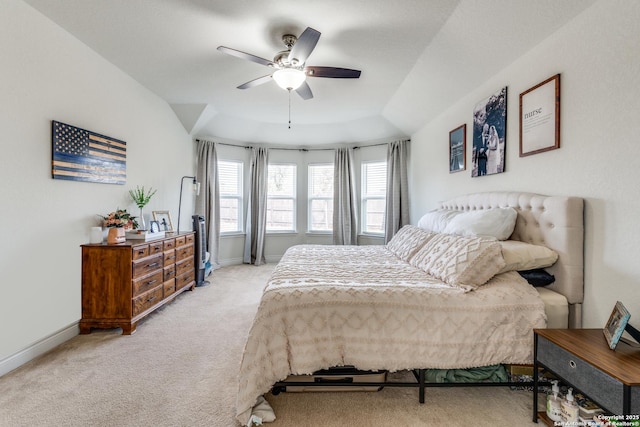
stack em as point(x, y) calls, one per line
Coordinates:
point(540, 117)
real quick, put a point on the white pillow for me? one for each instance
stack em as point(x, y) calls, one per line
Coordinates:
point(497, 223)
point(520, 256)
point(407, 241)
point(466, 262)
point(437, 220)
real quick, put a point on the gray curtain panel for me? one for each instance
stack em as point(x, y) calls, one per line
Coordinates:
point(345, 212)
point(397, 207)
point(208, 201)
point(256, 223)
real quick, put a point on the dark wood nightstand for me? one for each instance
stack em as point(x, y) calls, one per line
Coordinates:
point(583, 360)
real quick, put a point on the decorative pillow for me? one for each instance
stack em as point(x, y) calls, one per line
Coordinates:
point(406, 242)
point(436, 221)
point(521, 256)
point(538, 277)
point(467, 262)
point(497, 223)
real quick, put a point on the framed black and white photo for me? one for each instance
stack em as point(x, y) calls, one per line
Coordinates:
point(154, 226)
point(457, 149)
point(490, 134)
point(616, 324)
point(540, 117)
point(164, 219)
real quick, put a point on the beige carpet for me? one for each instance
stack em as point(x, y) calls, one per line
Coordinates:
point(179, 369)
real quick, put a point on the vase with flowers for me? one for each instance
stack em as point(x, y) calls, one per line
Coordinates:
point(141, 197)
point(117, 222)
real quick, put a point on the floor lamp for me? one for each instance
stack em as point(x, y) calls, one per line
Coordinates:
point(196, 188)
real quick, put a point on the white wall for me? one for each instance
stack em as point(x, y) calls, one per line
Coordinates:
point(597, 57)
point(46, 74)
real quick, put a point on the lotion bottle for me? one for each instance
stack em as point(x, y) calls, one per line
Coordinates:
point(554, 406)
point(569, 408)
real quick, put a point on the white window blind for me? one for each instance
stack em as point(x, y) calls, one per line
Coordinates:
point(320, 212)
point(230, 185)
point(374, 192)
point(281, 197)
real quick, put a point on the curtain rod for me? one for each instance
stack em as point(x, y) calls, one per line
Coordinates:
point(299, 149)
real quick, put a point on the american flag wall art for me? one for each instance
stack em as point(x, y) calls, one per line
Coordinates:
point(81, 155)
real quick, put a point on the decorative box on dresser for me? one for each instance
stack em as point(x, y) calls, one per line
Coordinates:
point(582, 359)
point(125, 282)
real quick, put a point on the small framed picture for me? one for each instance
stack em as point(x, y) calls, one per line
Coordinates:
point(164, 219)
point(457, 149)
point(154, 226)
point(616, 325)
point(540, 117)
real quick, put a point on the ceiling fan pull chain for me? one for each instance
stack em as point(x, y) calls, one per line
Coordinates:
point(289, 90)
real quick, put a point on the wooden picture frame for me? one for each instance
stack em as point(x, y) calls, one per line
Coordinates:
point(164, 219)
point(458, 149)
point(616, 325)
point(540, 117)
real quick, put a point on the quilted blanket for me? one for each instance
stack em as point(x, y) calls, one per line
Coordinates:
point(330, 306)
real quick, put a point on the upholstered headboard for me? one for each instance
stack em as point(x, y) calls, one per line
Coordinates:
point(552, 221)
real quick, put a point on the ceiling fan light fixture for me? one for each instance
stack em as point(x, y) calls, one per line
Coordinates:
point(289, 78)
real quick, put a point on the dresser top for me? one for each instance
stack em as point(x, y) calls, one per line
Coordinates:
point(590, 345)
point(137, 242)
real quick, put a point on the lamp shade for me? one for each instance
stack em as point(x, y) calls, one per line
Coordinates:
point(289, 78)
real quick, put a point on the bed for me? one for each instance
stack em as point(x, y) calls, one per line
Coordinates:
point(428, 299)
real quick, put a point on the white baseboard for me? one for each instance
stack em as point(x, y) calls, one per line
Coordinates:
point(38, 348)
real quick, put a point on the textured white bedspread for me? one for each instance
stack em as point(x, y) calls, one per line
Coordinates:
point(361, 305)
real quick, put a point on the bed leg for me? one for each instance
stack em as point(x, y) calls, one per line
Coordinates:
point(421, 385)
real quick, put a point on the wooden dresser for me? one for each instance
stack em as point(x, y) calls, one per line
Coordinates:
point(123, 283)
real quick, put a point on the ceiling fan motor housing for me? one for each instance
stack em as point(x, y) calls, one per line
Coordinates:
point(282, 58)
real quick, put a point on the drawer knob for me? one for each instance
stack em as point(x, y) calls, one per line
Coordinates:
point(572, 364)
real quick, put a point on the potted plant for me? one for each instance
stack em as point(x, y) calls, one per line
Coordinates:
point(141, 197)
point(117, 222)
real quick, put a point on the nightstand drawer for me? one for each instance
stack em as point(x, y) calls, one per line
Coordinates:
point(606, 390)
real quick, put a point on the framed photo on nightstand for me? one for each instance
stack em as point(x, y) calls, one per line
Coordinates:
point(616, 324)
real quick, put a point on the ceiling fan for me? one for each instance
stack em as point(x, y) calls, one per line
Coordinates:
point(290, 70)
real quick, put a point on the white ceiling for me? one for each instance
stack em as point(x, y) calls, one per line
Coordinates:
point(417, 57)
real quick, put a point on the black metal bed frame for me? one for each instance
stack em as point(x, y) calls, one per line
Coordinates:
point(419, 374)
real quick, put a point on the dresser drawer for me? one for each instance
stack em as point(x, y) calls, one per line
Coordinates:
point(169, 272)
point(145, 283)
point(155, 248)
point(147, 265)
point(184, 266)
point(147, 300)
point(169, 244)
point(191, 238)
point(140, 251)
point(581, 375)
point(184, 252)
point(169, 287)
point(169, 256)
point(180, 241)
point(184, 280)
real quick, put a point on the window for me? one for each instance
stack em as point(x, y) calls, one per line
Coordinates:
point(281, 198)
point(320, 197)
point(374, 191)
point(230, 183)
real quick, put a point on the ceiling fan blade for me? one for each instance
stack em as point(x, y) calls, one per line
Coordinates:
point(332, 72)
point(304, 46)
point(256, 82)
point(305, 91)
point(247, 56)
